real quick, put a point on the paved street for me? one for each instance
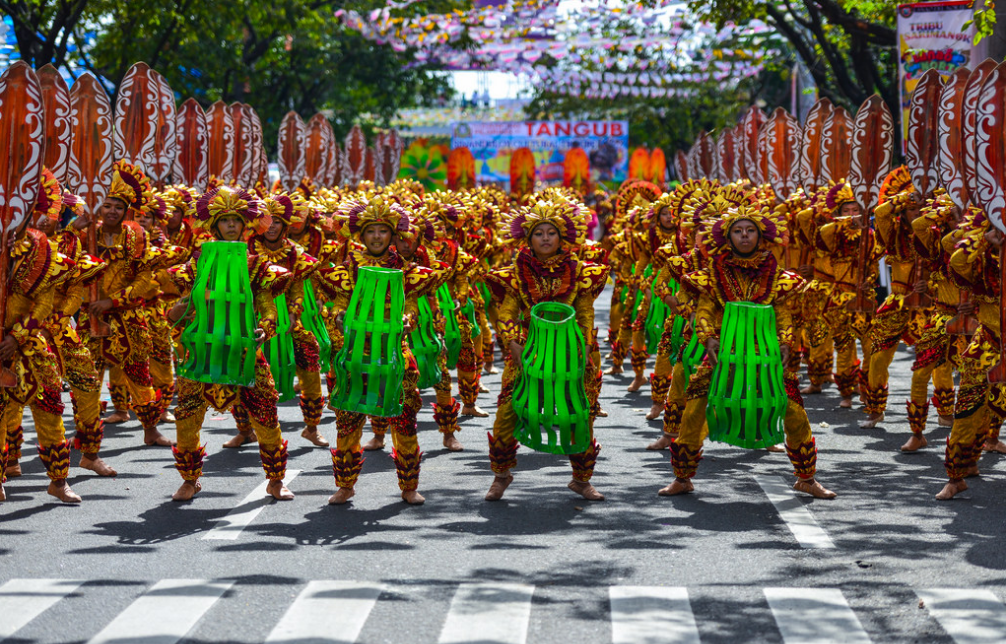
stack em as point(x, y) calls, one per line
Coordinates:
point(741, 560)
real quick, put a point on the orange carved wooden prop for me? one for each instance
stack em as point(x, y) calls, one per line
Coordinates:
point(922, 143)
point(751, 128)
point(782, 147)
point(370, 165)
point(220, 142)
point(191, 162)
point(726, 157)
point(291, 151)
point(354, 157)
point(681, 166)
point(137, 107)
point(872, 151)
point(639, 164)
point(522, 171)
point(658, 168)
point(58, 128)
point(165, 136)
point(836, 146)
point(391, 156)
point(951, 131)
point(811, 152)
point(705, 156)
point(316, 153)
point(245, 156)
point(460, 169)
point(972, 92)
point(576, 170)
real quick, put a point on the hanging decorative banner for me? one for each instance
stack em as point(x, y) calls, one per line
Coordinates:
point(931, 35)
point(605, 142)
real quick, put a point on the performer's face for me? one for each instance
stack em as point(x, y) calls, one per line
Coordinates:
point(666, 218)
point(405, 247)
point(45, 225)
point(146, 220)
point(994, 236)
point(112, 211)
point(545, 240)
point(297, 227)
point(176, 218)
point(377, 238)
point(914, 207)
point(276, 229)
point(744, 237)
point(230, 228)
point(850, 209)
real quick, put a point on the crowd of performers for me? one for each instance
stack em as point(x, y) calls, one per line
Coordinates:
point(693, 249)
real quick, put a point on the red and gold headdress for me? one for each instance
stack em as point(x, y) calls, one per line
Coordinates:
point(129, 184)
point(561, 214)
point(50, 197)
point(358, 214)
point(225, 201)
point(176, 197)
point(760, 217)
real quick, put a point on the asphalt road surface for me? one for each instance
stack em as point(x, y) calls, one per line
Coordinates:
point(743, 559)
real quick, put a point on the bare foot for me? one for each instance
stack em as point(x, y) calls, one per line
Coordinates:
point(187, 490)
point(94, 463)
point(952, 489)
point(811, 389)
point(775, 449)
point(241, 438)
point(915, 442)
point(278, 491)
point(117, 417)
point(586, 490)
point(313, 436)
point(846, 403)
point(972, 472)
point(813, 488)
point(601, 413)
point(154, 437)
point(341, 496)
point(656, 411)
point(61, 490)
point(413, 498)
point(499, 486)
point(678, 486)
point(491, 369)
point(945, 421)
point(374, 444)
point(451, 443)
point(613, 370)
point(636, 384)
point(661, 443)
point(13, 470)
point(994, 446)
point(871, 421)
point(3, 494)
point(166, 417)
point(473, 410)
point(483, 389)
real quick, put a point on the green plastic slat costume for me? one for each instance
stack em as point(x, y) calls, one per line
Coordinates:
point(550, 400)
point(219, 342)
point(693, 354)
point(468, 310)
point(486, 296)
point(747, 396)
point(370, 367)
point(426, 346)
point(279, 353)
point(656, 317)
point(314, 323)
point(452, 331)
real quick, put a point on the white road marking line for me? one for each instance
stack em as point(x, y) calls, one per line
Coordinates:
point(488, 614)
point(229, 527)
point(327, 612)
point(798, 518)
point(651, 615)
point(814, 616)
point(165, 613)
point(968, 616)
point(22, 600)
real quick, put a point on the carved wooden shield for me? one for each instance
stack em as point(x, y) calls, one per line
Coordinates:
point(354, 157)
point(137, 107)
point(166, 136)
point(751, 125)
point(741, 171)
point(260, 164)
point(370, 165)
point(990, 127)
point(726, 156)
point(950, 117)
point(706, 156)
point(22, 135)
point(782, 144)
point(811, 148)
point(58, 130)
point(220, 141)
point(391, 157)
point(972, 91)
point(316, 153)
point(872, 151)
point(245, 157)
point(292, 133)
point(333, 158)
point(922, 142)
point(836, 146)
point(90, 169)
point(191, 162)
point(681, 166)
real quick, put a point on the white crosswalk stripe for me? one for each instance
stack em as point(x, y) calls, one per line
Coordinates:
point(651, 615)
point(327, 612)
point(230, 526)
point(22, 600)
point(163, 614)
point(814, 616)
point(968, 616)
point(338, 611)
point(488, 614)
point(798, 518)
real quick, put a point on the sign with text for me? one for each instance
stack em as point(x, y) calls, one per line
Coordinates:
point(605, 142)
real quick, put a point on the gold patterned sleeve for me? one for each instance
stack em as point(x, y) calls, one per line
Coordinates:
point(265, 306)
point(783, 321)
point(508, 322)
point(295, 299)
point(143, 286)
point(705, 318)
point(584, 307)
